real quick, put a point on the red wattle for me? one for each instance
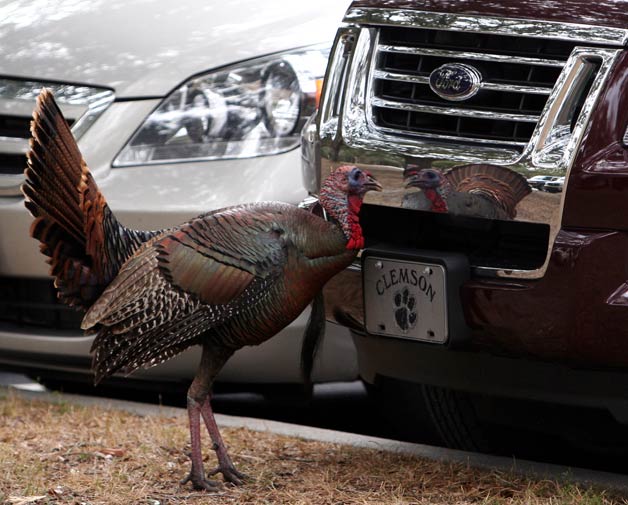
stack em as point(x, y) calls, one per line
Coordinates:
point(356, 240)
point(438, 202)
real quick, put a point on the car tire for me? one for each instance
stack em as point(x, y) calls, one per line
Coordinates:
point(432, 415)
point(403, 410)
point(454, 416)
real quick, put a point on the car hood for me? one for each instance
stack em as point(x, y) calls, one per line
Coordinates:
point(144, 48)
point(611, 13)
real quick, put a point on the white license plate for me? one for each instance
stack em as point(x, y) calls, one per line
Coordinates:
point(405, 299)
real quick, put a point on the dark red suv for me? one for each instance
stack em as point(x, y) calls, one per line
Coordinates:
point(480, 301)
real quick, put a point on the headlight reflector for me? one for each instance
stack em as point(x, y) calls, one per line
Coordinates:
point(251, 109)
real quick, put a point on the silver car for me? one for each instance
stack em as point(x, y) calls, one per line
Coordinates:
point(178, 109)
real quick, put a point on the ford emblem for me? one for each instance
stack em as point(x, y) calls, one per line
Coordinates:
point(455, 81)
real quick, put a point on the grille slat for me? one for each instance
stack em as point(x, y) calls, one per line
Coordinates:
point(475, 113)
point(11, 145)
point(460, 138)
point(518, 75)
point(493, 86)
point(422, 51)
point(476, 41)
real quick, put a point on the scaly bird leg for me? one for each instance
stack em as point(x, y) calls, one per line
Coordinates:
point(225, 465)
point(197, 473)
point(212, 360)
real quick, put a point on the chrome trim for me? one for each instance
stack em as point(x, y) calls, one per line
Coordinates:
point(442, 53)
point(453, 111)
point(492, 86)
point(556, 106)
point(491, 25)
point(356, 137)
point(12, 145)
point(10, 184)
point(438, 136)
point(516, 88)
point(332, 95)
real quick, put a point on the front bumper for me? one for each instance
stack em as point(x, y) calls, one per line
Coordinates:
point(275, 361)
point(490, 375)
point(560, 339)
point(575, 315)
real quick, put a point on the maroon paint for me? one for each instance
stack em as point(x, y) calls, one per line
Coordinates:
point(604, 12)
point(597, 195)
point(545, 319)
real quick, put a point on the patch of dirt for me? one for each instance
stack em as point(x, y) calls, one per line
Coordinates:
point(67, 454)
point(538, 206)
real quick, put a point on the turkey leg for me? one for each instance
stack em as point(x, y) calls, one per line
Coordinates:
point(197, 473)
point(225, 465)
point(212, 361)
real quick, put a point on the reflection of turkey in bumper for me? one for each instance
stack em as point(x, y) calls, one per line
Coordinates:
point(406, 276)
point(479, 190)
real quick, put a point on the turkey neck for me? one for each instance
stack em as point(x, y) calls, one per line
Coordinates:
point(345, 211)
point(436, 196)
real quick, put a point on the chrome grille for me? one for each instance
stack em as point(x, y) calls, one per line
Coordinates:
point(518, 77)
point(554, 75)
point(81, 105)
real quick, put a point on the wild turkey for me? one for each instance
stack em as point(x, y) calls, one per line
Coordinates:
point(484, 190)
point(226, 279)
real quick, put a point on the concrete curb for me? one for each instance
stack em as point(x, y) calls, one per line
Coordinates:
point(610, 481)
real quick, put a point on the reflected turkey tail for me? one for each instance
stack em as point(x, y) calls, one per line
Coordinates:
point(503, 185)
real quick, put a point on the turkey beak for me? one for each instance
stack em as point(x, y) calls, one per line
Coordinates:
point(372, 184)
point(420, 180)
point(412, 179)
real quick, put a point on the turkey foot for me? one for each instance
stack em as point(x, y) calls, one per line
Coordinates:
point(225, 465)
point(230, 474)
point(200, 483)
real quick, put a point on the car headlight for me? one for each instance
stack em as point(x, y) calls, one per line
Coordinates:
point(254, 108)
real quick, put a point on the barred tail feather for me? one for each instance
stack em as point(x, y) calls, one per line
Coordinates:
point(503, 186)
point(53, 174)
point(83, 240)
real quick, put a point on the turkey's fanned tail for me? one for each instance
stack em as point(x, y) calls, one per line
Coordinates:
point(504, 187)
point(85, 243)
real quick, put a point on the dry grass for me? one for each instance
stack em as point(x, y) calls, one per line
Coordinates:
point(66, 454)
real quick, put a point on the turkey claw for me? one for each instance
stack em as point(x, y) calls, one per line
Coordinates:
point(230, 474)
point(199, 483)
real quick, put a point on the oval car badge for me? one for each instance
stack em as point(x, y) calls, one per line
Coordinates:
point(455, 81)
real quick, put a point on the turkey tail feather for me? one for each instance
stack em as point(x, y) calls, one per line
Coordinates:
point(502, 185)
point(76, 229)
point(312, 338)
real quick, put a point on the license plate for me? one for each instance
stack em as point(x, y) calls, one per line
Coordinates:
point(405, 299)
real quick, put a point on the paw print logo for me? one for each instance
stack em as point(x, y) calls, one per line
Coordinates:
point(405, 309)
